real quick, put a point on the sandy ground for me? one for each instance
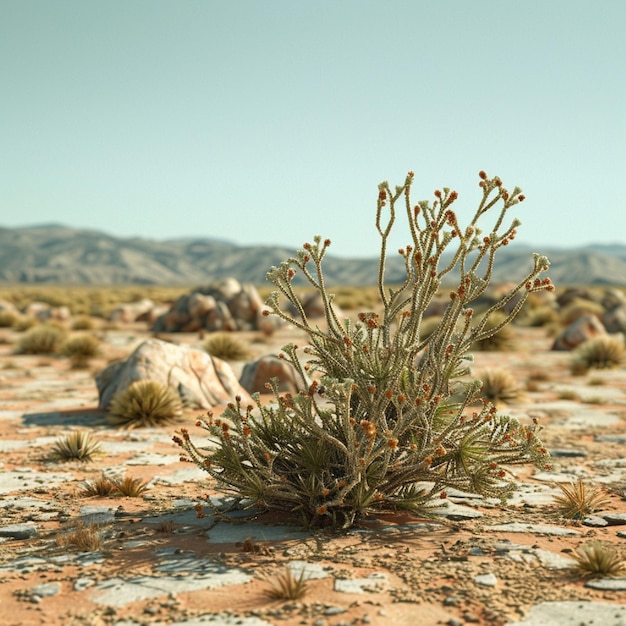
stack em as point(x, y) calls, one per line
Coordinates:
point(422, 571)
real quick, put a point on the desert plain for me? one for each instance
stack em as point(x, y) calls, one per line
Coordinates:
point(166, 557)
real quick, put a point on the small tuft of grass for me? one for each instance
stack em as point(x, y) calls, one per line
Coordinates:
point(85, 538)
point(286, 586)
point(226, 347)
point(167, 528)
point(77, 446)
point(499, 386)
point(130, 487)
point(101, 487)
point(145, 403)
point(596, 559)
point(578, 500)
point(502, 340)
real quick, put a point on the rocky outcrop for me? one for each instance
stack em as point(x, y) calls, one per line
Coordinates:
point(201, 380)
point(226, 305)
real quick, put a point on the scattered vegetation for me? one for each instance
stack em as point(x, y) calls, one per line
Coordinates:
point(226, 346)
point(543, 315)
point(577, 308)
point(77, 446)
point(602, 352)
point(387, 421)
point(145, 403)
point(596, 559)
point(499, 386)
point(44, 339)
point(578, 501)
point(286, 586)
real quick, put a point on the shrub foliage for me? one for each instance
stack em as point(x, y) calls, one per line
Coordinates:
point(387, 422)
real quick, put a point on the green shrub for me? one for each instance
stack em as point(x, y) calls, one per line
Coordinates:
point(45, 339)
point(145, 403)
point(388, 424)
point(227, 347)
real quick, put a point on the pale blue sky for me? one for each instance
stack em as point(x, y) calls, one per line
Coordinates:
point(272, 121)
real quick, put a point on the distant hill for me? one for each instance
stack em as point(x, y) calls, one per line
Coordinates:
point(53, 253)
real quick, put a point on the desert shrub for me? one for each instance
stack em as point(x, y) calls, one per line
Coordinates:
point(500, 336)
point(8, 318)
point(85, 538)
point(81, 348)
point(287, 586)
point(44, 339)
point(541, 316)
point(226, 346)
point(145, 403)
point(499, 386)
point(387, 422)
point(602, 352)
point(24, 323)
point(77, 446)
point(130, 487)
point(82, 322)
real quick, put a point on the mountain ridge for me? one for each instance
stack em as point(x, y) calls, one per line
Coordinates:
point(59, 254)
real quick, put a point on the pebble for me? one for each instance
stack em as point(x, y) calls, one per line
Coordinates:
point(607, 584)
point(567, 453)
point(334, 610)
point(486, 580)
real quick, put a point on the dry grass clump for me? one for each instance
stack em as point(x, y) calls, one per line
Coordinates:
point(596, 559)
point(286, 586)
point(502, 338)
point(145, 403)
point(541, 316)
point(82, 322)
point(85, 538)
point(603, 352)
point(81, 348)
point(499, 386)
point(44, 339)
point(102, 487)
point(130, 487)
point(8, 318)
point(77, 446)
point(227, 347)
point(24, 323)
point(578, 501)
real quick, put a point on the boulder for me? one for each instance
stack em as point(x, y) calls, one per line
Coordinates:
point(225, 305)
point(580, 330)
point(201, 380)
point(257, 373)
point(614, 320)
point(132, 312)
